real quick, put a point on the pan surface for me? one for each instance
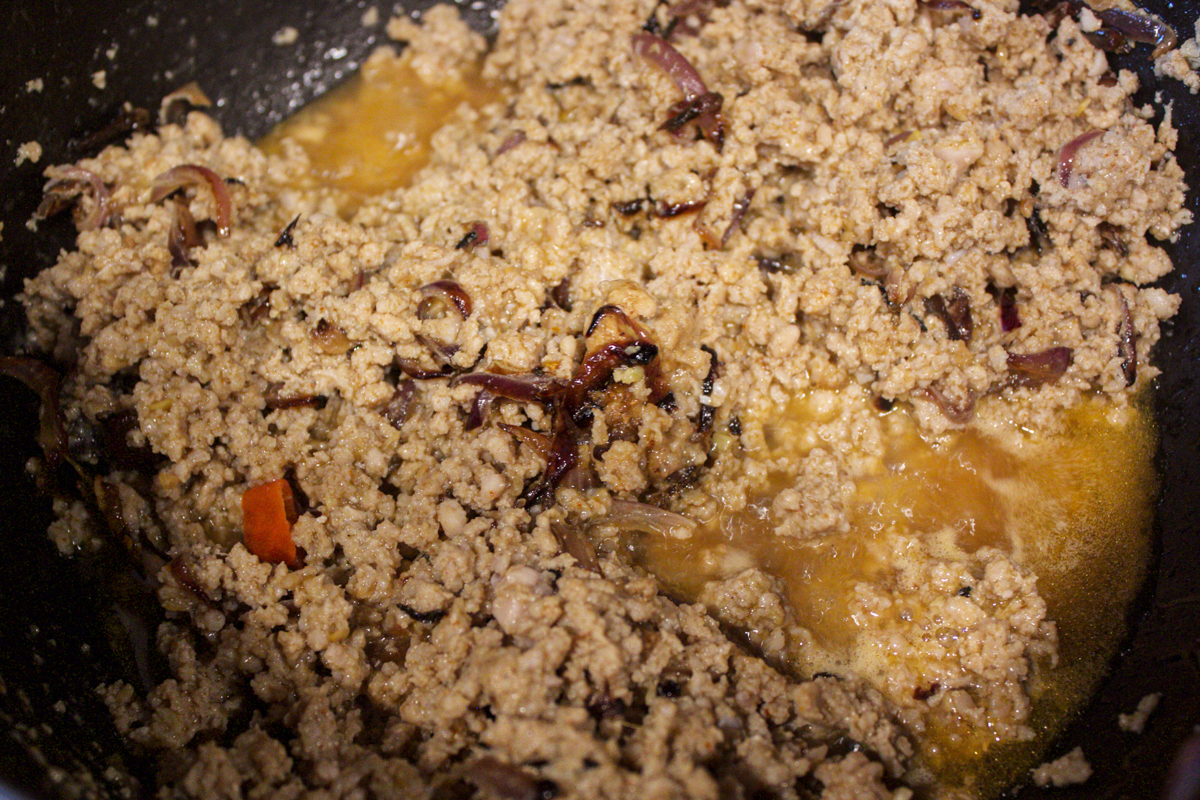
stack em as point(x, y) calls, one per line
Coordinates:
point(53, 651)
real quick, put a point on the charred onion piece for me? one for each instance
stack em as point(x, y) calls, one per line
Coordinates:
point(42, 379)
point(195, 175)
point(704, 418)
point(1126, 339)
point(442, 352)
point(628, 515)
point(667, 210)
point(522, 388)
point(955, 314)
point(440, 295)
point(476, 235)
point(562, 460)
point(659, 52)
point(1142, 28)
point(959, 415)
point(1111, 236)
point(1034, 369)
point(1066, 156)
point(174, 107)
point(399, 406)
point(413, 369)
point(739, 211)
point(68, 184)
point(561, 294)
point(285, 237)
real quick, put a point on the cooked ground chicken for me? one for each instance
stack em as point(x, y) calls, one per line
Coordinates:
point(463, 612)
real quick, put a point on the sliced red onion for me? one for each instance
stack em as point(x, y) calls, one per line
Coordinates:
point(1010, 318)
point(628, 515)
point(275, 399)
point(1142, 27)
point(480, 407)
point(439, 295)
point(70, 183)
point(576, 543)
point(539, 442)
point(42, 379)
point(735, 219)
point(477, 234)
point(1035, 369)
point(669, 210)
point(442, 352)
point(399, 406)
point(1126, 340)
point(629, 207)
point(561, 294)
point(959, 415)
point(598, 366)
point(952, 5)
point(194, 175)
point(414, 370)
point(705, 110)
point(506, 782)
point(1066, 156)
point(522, 388)
point(955, 314)
point(512, 141)
point(331, 339)
point(866, 262)
point(182, 236)
point(1108, 40)
point(563, 459)
point(704, 418)
point(174, 107)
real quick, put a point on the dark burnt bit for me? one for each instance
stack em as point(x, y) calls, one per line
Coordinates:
point(735, 426)
point(299, 497)
point(922, 693)
point(1108, 80)
point(954, 313)
point(665, 210)
point(578, 80)
point(128, 120)
point(1111, 236)
point(669, 689)
point(275, 399)
point(964, 591)
point(1039, 234)
point(427, 617)
point(884, 404)
point(285, 238)
point(952, 5)
point(602, 705)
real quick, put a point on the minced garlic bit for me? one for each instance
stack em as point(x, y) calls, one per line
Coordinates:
point(1071, 769)
point(1136, 722)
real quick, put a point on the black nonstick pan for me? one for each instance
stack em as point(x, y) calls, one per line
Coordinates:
point(54, 649)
